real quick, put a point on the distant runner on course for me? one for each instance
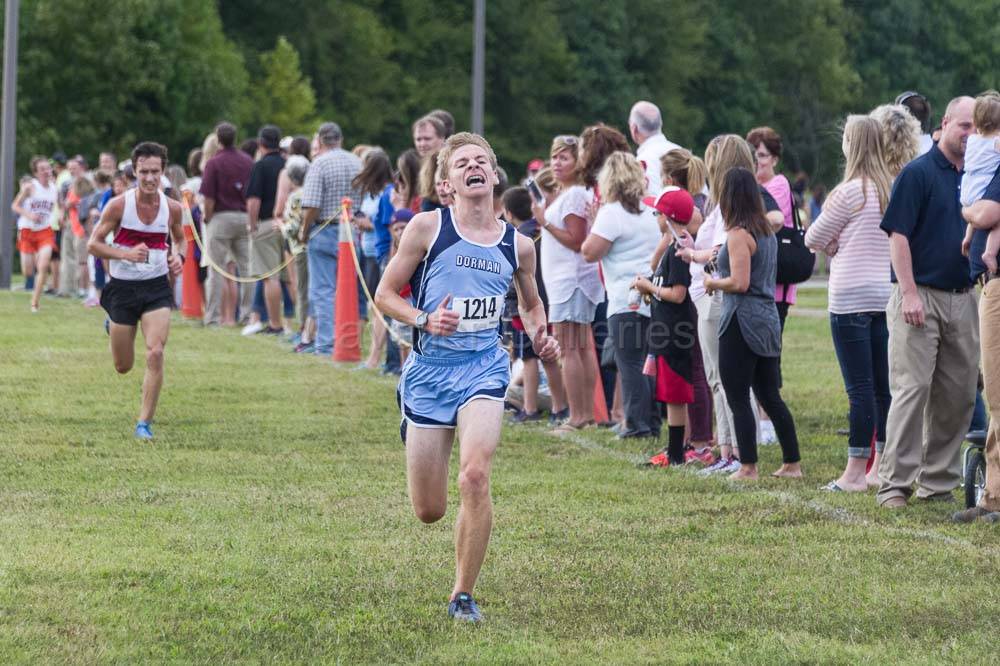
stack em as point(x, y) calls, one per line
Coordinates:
point(139, 292)
point(459, 263)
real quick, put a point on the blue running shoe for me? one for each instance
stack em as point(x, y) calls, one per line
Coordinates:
point(463, 607)
point(143, 430)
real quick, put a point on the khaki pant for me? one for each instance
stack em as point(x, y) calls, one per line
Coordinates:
point(932, 378)
point(989, 321)
point(302, 286)
point(68, 267)
point(227, 233)
point(267, 246)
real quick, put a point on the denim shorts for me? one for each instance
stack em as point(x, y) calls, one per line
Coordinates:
point(577, 308)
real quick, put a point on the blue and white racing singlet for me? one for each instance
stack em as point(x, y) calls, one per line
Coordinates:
point(477, 276)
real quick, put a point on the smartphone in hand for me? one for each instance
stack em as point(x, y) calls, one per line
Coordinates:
point(535, 191)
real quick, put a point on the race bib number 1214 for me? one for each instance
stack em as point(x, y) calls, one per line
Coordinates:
point(478, 313)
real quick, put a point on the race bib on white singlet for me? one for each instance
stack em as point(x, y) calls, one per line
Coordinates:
point(478, 313)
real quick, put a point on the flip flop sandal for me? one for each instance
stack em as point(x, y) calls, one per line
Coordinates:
point(568, 427)
point(832, 487)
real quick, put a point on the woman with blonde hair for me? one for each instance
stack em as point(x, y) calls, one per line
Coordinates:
point(209, 147)
point(900, 135)
point(622, 239)
point(434, 190)
point(681, 168)
point(848, 231)
point(573, 285)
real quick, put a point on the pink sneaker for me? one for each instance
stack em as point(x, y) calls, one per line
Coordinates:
point(700, 456)
point(91, 302)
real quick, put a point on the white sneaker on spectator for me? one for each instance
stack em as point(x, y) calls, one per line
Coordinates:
point(253, 328)
point(714, 468)
point(732, 465)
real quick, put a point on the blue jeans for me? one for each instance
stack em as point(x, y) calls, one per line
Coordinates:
point(861, 341)
point(322, 249)
point(979, 420)
point(260, 307)
point(393, 359)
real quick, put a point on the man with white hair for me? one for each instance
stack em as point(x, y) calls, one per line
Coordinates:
point(645, 124)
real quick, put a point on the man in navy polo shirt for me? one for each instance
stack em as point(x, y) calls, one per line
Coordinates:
point(984, 215)
point(933, 323)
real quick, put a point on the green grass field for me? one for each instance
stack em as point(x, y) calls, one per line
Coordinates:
point(269, 522)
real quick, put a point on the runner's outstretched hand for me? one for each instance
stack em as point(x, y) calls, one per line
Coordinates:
point(546, 347)
point(444, 320)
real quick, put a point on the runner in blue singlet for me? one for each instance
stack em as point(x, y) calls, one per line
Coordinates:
point(459, 262)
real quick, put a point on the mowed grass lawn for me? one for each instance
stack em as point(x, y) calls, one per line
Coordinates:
point(270, 522)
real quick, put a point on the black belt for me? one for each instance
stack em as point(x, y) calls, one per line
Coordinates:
point(985, 277)
point(959, 290)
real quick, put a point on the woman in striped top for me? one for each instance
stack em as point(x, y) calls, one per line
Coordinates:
point(848, 231)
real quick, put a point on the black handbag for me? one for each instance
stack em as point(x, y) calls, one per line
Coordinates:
point(795, 260)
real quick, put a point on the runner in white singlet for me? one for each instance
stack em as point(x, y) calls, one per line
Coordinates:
point(34, 205)
point(142, 220)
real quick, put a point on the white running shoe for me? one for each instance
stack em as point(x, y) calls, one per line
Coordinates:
point(714, 468)
point(732, 465)
point(253, 329)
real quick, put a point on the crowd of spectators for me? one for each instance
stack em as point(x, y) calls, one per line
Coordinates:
point(658, 269)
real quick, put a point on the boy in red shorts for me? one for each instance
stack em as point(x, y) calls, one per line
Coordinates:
point(673, 331)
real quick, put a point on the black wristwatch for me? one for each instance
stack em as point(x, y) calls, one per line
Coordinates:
point(421, 321)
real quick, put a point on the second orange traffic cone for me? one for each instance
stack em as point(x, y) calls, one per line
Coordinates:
point(191, 291)
point(346, 328)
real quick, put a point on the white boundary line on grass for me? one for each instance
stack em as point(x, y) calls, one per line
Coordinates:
point(836, 514)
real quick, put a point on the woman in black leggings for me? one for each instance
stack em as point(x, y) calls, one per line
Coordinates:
point(749, 328)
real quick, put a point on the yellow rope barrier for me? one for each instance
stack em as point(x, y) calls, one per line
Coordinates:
point(252, 278)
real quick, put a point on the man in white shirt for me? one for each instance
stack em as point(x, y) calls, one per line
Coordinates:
point(645, 124)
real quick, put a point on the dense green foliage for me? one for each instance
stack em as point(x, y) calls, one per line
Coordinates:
point(101, 74)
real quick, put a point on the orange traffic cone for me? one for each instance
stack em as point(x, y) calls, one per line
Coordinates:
point(600, 404)
point(347, 329)
point(192, 297)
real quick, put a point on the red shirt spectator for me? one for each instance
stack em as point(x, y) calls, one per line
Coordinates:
point(225, 180)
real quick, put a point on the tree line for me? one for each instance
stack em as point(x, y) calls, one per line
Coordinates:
point(101, 74)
